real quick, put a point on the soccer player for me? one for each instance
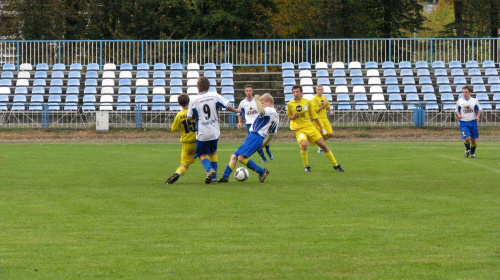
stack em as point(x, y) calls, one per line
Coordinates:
point(249, 112)
point(300, 111)
point(187, 129)
point(262, 131)
point(204, 111)
point(321, 105)
point(468, 112)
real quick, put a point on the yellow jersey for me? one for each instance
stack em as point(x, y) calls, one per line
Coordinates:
point(305, 112)
point(318, 102)
point(185, 126)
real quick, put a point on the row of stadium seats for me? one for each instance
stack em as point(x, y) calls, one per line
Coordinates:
point(93, 103)
point(378, 101)
point(113, 67)
point(390, 65)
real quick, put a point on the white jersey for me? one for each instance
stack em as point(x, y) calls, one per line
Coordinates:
point(248, 110)
point(204, 111)
point(267, 123)
point(468, 108)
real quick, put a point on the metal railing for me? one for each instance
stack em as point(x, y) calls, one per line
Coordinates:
point(264, 53)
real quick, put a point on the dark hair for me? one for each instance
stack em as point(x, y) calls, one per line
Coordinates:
point(183, 99)
point(203, 84)
point(467, 87)
point(248, 85)
point(297, 86)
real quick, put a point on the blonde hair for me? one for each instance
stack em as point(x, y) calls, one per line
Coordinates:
point(267, 97)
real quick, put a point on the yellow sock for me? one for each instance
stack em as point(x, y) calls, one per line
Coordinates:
point(181, 170)
point(231, 167)
point(330, 156)
point(305, 157)
point(245, 161)
point(213, 158)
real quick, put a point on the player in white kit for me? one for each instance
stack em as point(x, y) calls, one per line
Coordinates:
point(262, 131)
point(204, 111)
point(249, 113)
point(468, 111)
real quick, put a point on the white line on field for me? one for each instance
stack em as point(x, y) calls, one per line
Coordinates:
point(474, 162)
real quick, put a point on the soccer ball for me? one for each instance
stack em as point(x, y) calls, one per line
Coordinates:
point(241, 174)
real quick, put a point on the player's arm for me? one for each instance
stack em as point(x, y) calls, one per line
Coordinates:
point(268, 139)
point(329, 108)
point(457, 111)
point(232, 109)
point(240, 119)
point(319, 125)
point(260, 109)
point(175, 124)
point(289, 113)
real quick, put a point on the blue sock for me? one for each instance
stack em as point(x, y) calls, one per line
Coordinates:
point(206, 164)
point(261, 154)
point(214, 166)
point(227, 172)
point(253, 166)
point(267, 148)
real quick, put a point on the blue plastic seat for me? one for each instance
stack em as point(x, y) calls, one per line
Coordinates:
point(42, 67)
point(445, 89)
point(285, 74)
point(455, 64)
point(448, 101)
point(40, 75)
point(159, 82)
point(176, 66)
point(471, 64)
point(491, 72)
point(360, 100)
point(412, 97)
point(459, 81)
point(340, 81)
point(406, 73)
point(289, 82)
point(357, 81)
point(442, 81)
point(408, 81)
point(126, 66)
point(438, 64)
point(228, 66)
point(457, 72)
point(36, 103)
point(7, 75)
point(474, 72)
point(396, 101)
point(124, 90)
point(356, 73)
point(125, 83)
point(344, 98)
point(476, 81)
point(143, 66)
point(338, 73)
point(440, 72)
point(479, 89)
point(410, 89)
point(59, 67)
point(91, 75)
point(389, 73)
point(226, 74)
point(404, 65)
point(93, 67)
point(176, 90)
point(424, 81)
point(55, 90)
point(39, 83)
point(423, 72)
point(489, 64)
point(427, 89)
point(371, 65)
point(89, 90)
point(54, 101)
point(323, 81)
point(159, 66)
point(391, 81)
point(210, 66)
point(421, 65)
point(393, 89)
point(388, 65)
point(287, 66)
point(304, 66)
point(495, 80)
point(142, 75)
point(9, 67)
point(73, 83)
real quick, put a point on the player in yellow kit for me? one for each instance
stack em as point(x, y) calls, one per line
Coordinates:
point(301, 112)
point(321, 105)
point(187, 129)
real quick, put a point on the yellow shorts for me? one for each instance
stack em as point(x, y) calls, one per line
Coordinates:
point(310, 133)
point(188, 150)
point(325, 123)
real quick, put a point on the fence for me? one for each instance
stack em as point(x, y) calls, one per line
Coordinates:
point(248, 53)
point(163, 119)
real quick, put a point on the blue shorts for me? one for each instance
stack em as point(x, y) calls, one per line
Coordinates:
point(205, 147)
point(251, 145)
point(469, 129)
point(248, 128)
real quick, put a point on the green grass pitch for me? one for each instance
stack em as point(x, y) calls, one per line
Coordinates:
point(102, 211)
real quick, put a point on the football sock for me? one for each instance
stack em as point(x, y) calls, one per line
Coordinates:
point(267, 148)
point(305, 157)
point(330, 156)
point(229, 169)
point(467, 145)
point(181, 170)
point(253, 166)
point(206, 164)
point(213, 161)
point(261, 154)
point(473, 149)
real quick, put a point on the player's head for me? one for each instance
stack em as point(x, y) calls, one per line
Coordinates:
point(466, 91)
point(267, 100)
point(183, 100)
point(203, 84)
point(297, 92)
point(319, 90)
point(249, 91)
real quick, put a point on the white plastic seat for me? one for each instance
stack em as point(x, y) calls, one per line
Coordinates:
point(378, 105)
point(108, 83)
point(192, 75)
point(109, 66)
point(106, 101)
point(353, 65)
point(320, 65)
point(372, 73)
point(141, 83)
point(107, 90)
point(124, 75)
point(374, 81)
point(305, 74)
point(159, 90)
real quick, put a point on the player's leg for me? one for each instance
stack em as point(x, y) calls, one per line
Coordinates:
point(214, 159)
point(269, 153)
point(261, 154)
point(254, 167)
point(188, 150)
point(465, 133)
point(329, 155)
point(474, 136)
point(229, 169)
